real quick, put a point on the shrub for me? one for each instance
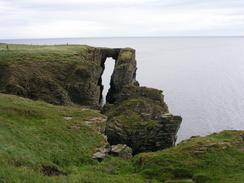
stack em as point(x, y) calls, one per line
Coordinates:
point(200, 178)
point(182, 173)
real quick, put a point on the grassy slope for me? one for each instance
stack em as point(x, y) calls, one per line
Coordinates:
point(35, 134)
point(218, 158)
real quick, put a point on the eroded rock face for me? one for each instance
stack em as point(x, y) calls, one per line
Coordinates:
point(124, 74)
point(48, 74)
point(142, 121)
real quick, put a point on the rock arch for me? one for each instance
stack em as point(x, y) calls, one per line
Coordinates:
point(124, 73)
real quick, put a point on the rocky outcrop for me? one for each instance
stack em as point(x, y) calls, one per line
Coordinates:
point(142, 121)
point(137, 116)
point(67, 75)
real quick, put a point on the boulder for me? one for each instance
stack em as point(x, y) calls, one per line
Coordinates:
point(99, 156)
point(121, 150)
point(98, 123)
point(102, 152)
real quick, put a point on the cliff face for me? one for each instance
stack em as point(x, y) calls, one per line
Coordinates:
point(69, 74)
point(58, 75)
point(66, 75)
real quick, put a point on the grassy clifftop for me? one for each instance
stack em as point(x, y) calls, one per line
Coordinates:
point(10, 54)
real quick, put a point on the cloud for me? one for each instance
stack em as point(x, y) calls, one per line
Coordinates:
point(82, 18)
point(33, 3)
point(63, 28)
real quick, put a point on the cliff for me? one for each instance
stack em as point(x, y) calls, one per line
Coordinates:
point(72, 75)
point(61, 75)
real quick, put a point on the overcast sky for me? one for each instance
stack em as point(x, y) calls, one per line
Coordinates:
point(110, 18)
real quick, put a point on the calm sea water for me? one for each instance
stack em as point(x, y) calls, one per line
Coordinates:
point(202, 78)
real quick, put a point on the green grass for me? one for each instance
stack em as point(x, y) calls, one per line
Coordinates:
point(126, 55)
point(217, 158)
point(35, 134)
point(10, 54)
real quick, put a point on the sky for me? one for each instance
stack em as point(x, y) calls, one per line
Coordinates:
point(21, 19)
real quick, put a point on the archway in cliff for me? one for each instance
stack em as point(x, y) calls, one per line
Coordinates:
point(108, 67)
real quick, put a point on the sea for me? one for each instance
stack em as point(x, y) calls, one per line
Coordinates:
point(202, 78)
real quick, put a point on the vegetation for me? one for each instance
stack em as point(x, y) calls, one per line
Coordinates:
point(126, 55)
point(39, 144)
point(130, 112)
point(10, 54)
point(217, 158)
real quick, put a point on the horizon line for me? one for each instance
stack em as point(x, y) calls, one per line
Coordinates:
point(97, 37)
